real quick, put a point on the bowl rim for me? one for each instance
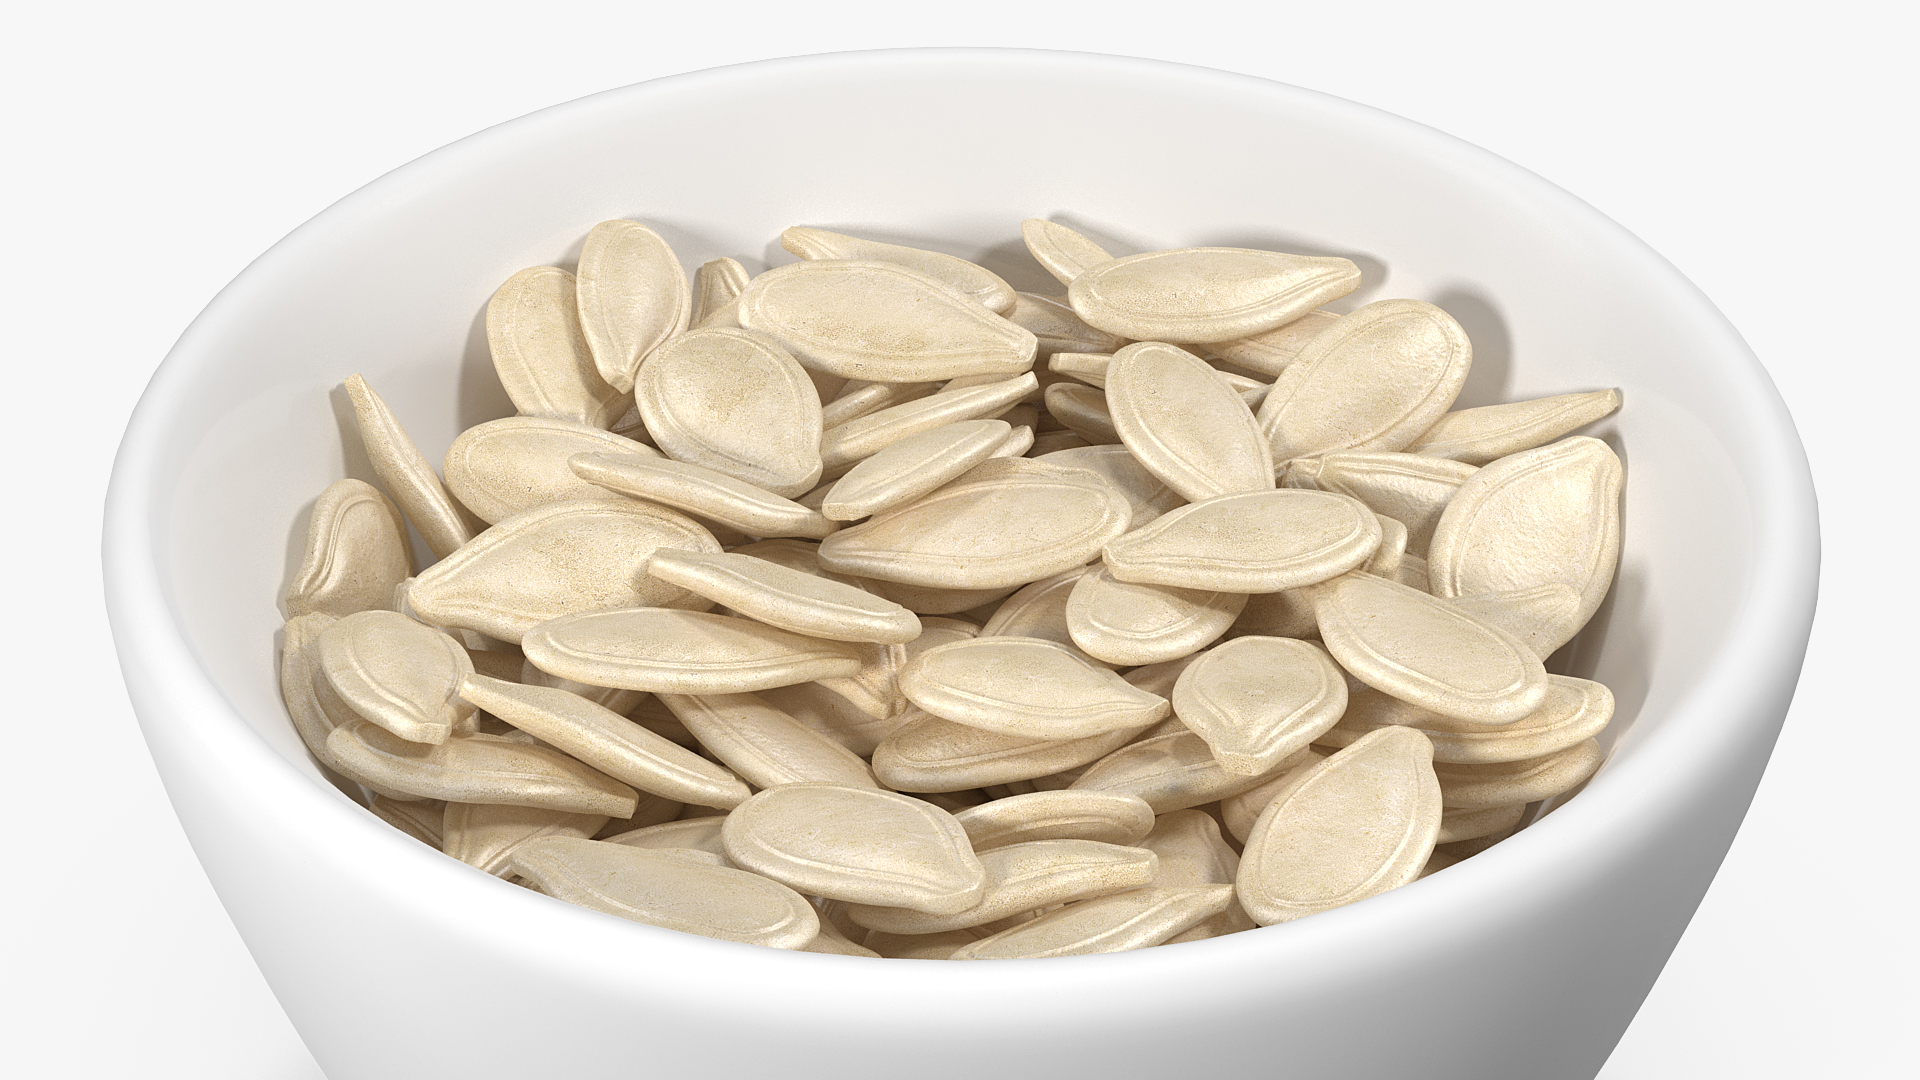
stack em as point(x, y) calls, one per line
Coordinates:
point(178, 701)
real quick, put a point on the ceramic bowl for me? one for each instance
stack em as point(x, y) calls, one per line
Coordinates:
point(395, 961)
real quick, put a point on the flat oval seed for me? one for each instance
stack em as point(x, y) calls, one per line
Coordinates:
point(607, 741)
point(1171, 772)
point(1254, 542)
point(734, 402)
point(789, 599)
point(927, 753)
point(976, 283)
point(687, 834)
point(1192, 852)
point(857, 401)
point(1478, 436)
point(397, 673)
point(716, 286)
point(861, 845)
point(1375, 380)
point(1543, 618)
point(1082, 410)
point(1089, 368)
point(667, 651)
point(1478, 787)
point(1134, 919)
point(1423, 650)
point(665, 890)
point(1259, 700)
point(827, 713)
point(993, 528)
point(1106, 816)
point(1574, 711)
point(1406, 487)
point(1361, 823)
point(1065, 253)
point(1147, 495)
point(875, 320)
point(1207, 294)
point(865, 436)
point(407, 476)
point(356, 553)
point(911, 467)
point(1127, 624)
point(633, 297)
point(926, 600)
point(1184, 423)
point(505, 467)
point(1026, 877)
point(480, 769)
point(1239, 812)
point(555, 560)
point(1057, 328)
point(315, 709)
point(1539, 516)
point(1459, 825)
point(754, 511)
point(1025, 687)
point(763, 744)
point(1037, 611)
point(541, 353)
point(1270, 353)
point(485, 836)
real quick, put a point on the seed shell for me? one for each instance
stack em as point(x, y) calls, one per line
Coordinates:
point(541, 353)
point(485, 837)
point(698, 490)
point(913, 466)
point(1025, 687)
point(1065, 254)
point(668, 651)
point(1171, 772)
point(480, 769)
point(1185, 423)
point(733, 402)
point(1105, 816)
point(397, 673)
point(841, 447)
point(1270, 353)
point(764, 745)
point(976, 283)
point(356, 553)
point(1129, 624)
point(1206, 294)
point(1253, 542)
point(1134, 919)
point(1479, 436)
point(1026, 877)
point(509, 466)
point(1259, 700)
point(926, 753)
point(405, 473)
point(1478, 787)
point(633, 297)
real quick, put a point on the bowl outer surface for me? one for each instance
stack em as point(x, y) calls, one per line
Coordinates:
point(394, 961)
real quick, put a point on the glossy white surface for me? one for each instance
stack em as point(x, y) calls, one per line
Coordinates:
point(188, 1001)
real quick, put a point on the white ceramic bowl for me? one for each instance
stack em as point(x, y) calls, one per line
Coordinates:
point(394, 961)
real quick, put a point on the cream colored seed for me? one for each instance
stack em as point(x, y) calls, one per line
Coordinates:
point(920, 946)
point(733, 402)
point(397, 673)
point(662, 889)
point(1287, 613)
point(1052, 442)
point(1147, 495)
point(1425, 651)
point(1007, 522)
point(765, 746)
point(875, 688)
point(607, 741)
point(1530, 519)
point(356, 553)
point(1239, 812)
point(1361, 823)
point(421, 820)
point(1260, 700)
point(829, 713)
point(1206, 294)
point(1038, 610)
point(716, 290)
point(1082, 410)
point(407, 476)
point(505, 467)
point(1057, 328)
point(507, 581)
point(315, 709)
point(1459, 825)
point(1478, 436)
point(1128, 624)
point(1023, 877)
point(1105, 816)
point(1025, 687)
point(789, 599)
point(695, 834)
point(697, 490)
point(1254, 542)
point(479, 769)
point(1172, 771)
point(929, 600)
point(926, 753)
point(1134, 919)
point(913, 466)
point(1542, 618)
point(633, 297)
point(541, 353)
point(682, 652)
point(1574, 711)
point(1018, 442)
point(1478, 787)
point(874, 320)
point(485, 837)
point(841, 447)
point(1192, 852)
point(611, 698)
point(651, 810)
point(1406, 487)
point(1185, 423)
point(857, 401)
point(1065, 253)
point(976, 283)
point(1089, 368)
point(861, 845)
point(1271, 352)
point(1375, 380)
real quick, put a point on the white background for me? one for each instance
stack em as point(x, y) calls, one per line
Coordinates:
point(152, 150)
